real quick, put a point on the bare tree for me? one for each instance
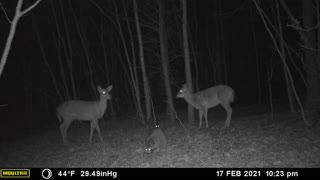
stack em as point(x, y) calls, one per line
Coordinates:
point(282, 48)
point(164, 58)
point(187, 56)
point(132, 75)
point(313, 89)
point(268, 25)
point(256, 53)
point(143, 68)
point(18, 14)
point(308, 37)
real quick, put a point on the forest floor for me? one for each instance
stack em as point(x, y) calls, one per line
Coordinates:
point(254, 139)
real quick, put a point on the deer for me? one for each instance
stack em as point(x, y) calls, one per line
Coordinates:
point(92, 111)
point(209, 98)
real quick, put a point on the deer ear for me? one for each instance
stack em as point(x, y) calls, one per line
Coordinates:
point(184, 85)
point(99, 88)
point(109, 88)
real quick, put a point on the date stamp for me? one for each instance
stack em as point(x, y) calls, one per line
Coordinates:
point(238, 173)
point(256, 173)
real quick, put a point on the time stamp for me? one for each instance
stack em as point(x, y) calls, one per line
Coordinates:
point(256, 173)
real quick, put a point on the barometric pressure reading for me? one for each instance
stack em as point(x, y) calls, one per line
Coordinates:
point(97, 173)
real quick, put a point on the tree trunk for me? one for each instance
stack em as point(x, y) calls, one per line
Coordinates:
point(310, 54)
point(256, 53)
point(135, 79)
point(282, 48)
point(164, 59)
point(222, 43)
point(143, 67)
point(18, 14)
point(131, 70)
point(187, 56)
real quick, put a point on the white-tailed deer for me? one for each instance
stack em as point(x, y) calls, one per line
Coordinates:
point(208, 98)
point(83, 111)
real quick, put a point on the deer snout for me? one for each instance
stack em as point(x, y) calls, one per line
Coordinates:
point(179, 95)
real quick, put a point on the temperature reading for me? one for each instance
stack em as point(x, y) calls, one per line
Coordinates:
point(66, 173)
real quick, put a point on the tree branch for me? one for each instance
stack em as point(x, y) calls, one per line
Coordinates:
point(29, 8)
point(5, 13)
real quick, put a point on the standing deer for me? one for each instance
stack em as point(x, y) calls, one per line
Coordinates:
point(208, 98)
point(83, 111)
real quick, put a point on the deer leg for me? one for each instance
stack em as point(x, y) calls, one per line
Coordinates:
point(62, 133)
point(64, 128)
point(205, 112)
point(228, 108)
point(96, 124)
point(200, 118)
point(91, 131)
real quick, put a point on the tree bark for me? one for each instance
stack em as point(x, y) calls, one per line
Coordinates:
point(164, 59)
point(18, 14)
point(143, 67)
point(310, 54)
point(187, 57)
point(282, 48)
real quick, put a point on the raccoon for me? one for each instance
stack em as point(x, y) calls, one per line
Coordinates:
point(155, 141)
